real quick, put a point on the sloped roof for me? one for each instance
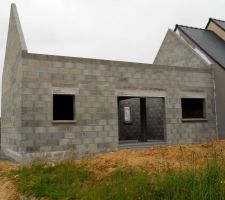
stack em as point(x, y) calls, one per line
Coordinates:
point(207, 41)
point(218, 22)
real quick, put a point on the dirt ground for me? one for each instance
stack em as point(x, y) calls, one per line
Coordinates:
point(152, 159)
point(7, 189)
point(156, 158)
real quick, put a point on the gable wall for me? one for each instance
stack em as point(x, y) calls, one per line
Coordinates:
point(11, 91)
point(175, 52)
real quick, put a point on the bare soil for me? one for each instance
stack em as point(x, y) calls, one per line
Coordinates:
point(8, 190)
point(156, 158)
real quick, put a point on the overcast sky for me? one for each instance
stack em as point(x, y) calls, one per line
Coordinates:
point(127, 30)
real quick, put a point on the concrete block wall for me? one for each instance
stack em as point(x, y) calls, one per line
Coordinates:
point(96, 85)
point(11, 89)
point(175, 51)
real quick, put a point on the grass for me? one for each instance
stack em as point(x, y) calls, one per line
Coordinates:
point(196, 184)
point(67, 180)
point(123, 184)
point(56, 181)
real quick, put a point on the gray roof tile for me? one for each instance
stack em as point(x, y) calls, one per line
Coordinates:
point(207, 41)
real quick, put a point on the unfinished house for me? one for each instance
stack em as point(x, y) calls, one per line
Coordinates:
point(55, 104)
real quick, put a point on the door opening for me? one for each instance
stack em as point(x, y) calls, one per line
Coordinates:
point(141, 119)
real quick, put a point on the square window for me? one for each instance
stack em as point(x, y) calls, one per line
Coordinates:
point(193, 108)
point(63, 107)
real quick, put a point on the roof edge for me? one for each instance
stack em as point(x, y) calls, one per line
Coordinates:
point(215, 22)
point(185, 43)
point(178, 25)
point(218, 20)
point(200, 46)
point(210, 19)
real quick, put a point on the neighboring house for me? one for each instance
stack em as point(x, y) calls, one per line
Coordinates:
point(54, 104)
point(209, 43)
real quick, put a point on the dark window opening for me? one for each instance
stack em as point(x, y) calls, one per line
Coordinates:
point(63, 107)
point(192, 108)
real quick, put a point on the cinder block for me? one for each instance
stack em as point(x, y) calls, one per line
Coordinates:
point(69, 135)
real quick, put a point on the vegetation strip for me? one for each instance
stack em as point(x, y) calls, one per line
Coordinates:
point(68, 180)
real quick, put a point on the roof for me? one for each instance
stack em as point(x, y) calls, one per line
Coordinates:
point(207, 41)
point(218, 22)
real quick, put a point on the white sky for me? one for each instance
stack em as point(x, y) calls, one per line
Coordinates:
point(127, 30)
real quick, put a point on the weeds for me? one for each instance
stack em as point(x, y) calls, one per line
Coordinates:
point(194, 184)
point(124, 184)
point(67, 180)
point(55, 181)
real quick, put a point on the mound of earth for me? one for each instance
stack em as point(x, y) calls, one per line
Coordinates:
point(156, 158)
point(151, 159)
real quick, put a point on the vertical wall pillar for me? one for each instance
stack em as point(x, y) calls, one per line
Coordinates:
point(143, 134)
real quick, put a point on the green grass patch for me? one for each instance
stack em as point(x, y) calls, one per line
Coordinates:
point(69, 181)
point(123, 184)
point(207, 183)
point(54, 181)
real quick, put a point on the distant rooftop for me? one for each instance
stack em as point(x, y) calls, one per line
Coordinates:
point(219, 22)
point(208, 41)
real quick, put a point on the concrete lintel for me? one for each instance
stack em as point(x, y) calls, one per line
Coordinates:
point(193, 94)
point(141, 93)
point(65, 90)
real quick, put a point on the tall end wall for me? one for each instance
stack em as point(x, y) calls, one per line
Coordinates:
point(11, 88)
